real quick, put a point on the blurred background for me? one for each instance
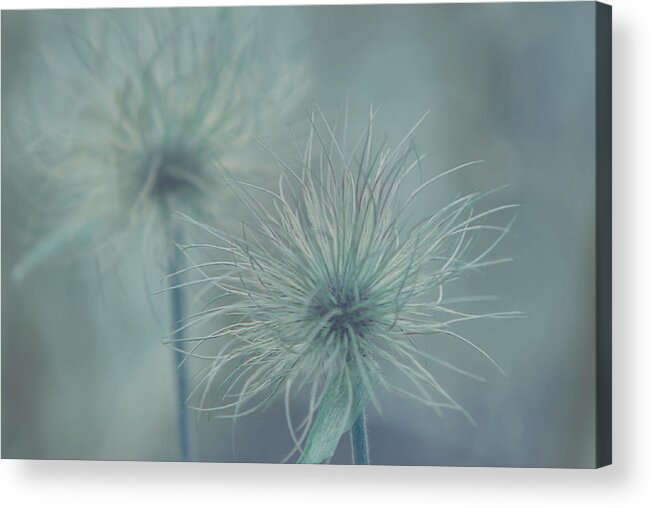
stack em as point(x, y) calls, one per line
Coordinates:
point(84, 373)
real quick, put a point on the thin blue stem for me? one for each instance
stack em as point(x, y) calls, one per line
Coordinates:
point(359, 440)
point(177, 315)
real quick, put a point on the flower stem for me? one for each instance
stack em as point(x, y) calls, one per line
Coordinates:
point(359, 440)
point(177, 312)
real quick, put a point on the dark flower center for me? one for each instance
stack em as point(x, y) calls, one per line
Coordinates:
point(347, 309)
point(172, 169)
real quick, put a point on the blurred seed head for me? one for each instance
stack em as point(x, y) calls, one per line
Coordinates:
point(154, 102)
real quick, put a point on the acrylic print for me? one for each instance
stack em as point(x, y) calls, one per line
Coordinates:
point(321, 235)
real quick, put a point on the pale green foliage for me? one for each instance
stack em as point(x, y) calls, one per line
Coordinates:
point(342, 402)
point(329, 287)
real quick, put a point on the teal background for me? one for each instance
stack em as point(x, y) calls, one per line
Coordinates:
point(84, 375)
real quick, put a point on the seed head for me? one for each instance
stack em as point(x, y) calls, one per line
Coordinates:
point(157, 100)
point(328, 289)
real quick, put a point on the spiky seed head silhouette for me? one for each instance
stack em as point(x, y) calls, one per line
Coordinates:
point(330, 286)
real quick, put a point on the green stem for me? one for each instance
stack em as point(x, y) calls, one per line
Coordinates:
point(177, 313)
point(359, 440)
